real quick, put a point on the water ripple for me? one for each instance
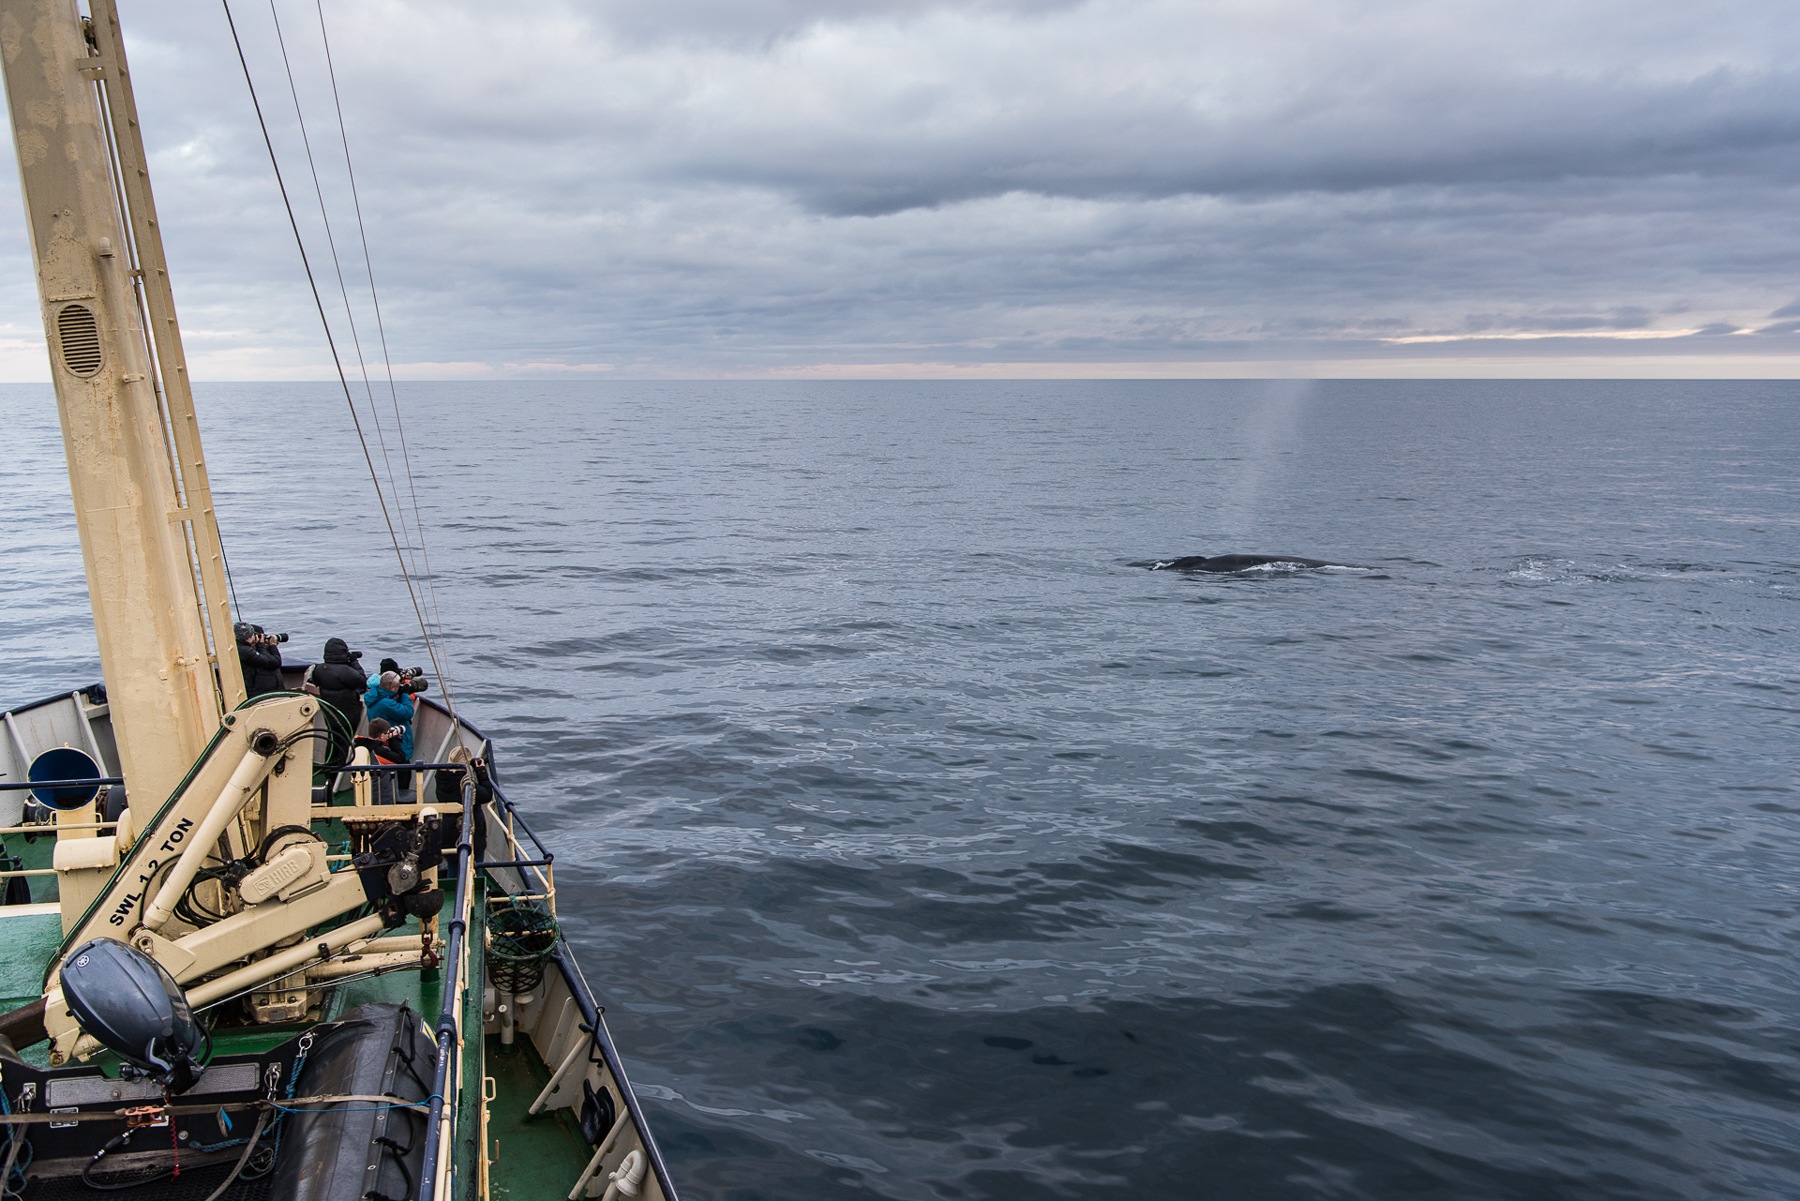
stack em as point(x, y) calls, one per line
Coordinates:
point(920, 846)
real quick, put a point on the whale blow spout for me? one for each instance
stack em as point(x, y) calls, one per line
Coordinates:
point(1225, 563)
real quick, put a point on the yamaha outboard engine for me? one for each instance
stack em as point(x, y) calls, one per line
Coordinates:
point(131, 1006)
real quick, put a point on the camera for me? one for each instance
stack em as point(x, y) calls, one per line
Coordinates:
point(273, 637)
point(412, 679)
point(411, 673)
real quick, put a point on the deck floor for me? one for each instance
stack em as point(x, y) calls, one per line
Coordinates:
point(535, 1158)
point(31, 935)
point(540, 1157)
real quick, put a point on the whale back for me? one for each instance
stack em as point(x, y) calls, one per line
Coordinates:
point(1228, 563)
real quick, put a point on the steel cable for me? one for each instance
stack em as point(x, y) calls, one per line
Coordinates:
point(331, 343)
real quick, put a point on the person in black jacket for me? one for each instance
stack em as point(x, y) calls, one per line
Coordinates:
point(383, 744)
point(340, 682)
point(260, 658)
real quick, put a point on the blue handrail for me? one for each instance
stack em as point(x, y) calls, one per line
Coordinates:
point(454, 950)
point(22, 785)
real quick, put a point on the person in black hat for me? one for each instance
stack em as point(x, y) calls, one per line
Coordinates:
point(260, 658)
point(339, 681)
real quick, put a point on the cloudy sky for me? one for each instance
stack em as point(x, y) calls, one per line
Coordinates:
point(857, 188)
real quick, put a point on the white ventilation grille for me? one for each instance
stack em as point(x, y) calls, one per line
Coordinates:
point(80, 337)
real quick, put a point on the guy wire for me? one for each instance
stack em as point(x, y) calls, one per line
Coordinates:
point(338, 267)
point(429, 578)
point(330, 341)
point(409, 565)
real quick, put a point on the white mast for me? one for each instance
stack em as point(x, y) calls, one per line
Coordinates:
point(142, 501)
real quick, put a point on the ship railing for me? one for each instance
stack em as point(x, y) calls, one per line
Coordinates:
point(525, 852)
point(434, 1171)
point(447, 1034)
point(530, 861)
point(599, 1040)
point(384, 767)
point(50, 828)
point(47, 829)
point(526, 855)
point(531, 864)
point(522, 840)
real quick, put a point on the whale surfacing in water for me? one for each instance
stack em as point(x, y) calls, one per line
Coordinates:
point(1226, 563)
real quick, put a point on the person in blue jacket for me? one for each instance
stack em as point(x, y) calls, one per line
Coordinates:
point(386, 700)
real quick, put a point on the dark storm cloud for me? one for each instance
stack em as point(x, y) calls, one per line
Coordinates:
point(769, 184)
point(894, 105)
point(1322, 138)
point(762, 22)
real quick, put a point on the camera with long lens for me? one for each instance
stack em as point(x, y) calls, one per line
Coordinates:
point(412, 679)
point(258, 634)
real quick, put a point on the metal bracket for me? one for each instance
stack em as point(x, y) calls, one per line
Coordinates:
point(140, 1116)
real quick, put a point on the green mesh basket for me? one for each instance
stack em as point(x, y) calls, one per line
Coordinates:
point(521, 939)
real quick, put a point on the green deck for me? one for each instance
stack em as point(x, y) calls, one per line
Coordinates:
point(538, 1159)
point(30, 934)
point(31, 938)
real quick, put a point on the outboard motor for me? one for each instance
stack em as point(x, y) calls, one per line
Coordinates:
point(131, 1006)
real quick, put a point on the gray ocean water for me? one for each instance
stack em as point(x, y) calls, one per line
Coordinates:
point(922, 846)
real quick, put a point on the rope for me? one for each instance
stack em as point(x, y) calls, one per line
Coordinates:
point(291, 1104)
point(380, 1102)
point(237, 1168)
point(409, 569)
point(338, 268)
point(15, 1140)
point(330, 341)
point(343, 290)
point(230, 584)
point(430, 580)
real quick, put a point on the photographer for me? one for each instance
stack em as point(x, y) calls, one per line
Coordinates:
point(260, 658)
point(412, 679)
point(391, 698)
point(339, 682)
point(383, 744)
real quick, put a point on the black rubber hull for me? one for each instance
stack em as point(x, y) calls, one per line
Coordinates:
point(352, 1150)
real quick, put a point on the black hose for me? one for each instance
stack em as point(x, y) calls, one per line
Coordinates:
point(135, 1181)
point(117, 1141)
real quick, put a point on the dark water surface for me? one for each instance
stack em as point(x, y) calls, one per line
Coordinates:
point(920, 846)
